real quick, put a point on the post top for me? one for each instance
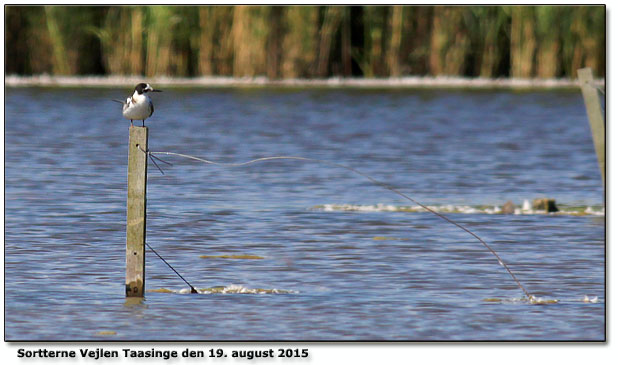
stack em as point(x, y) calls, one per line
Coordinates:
point(585, 74)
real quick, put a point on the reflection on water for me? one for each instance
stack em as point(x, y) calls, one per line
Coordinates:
point(131, 302)
point(355, 260)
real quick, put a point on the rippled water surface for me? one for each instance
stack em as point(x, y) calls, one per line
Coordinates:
point(299, 250)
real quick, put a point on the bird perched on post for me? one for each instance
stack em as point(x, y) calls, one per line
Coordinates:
point(139, 105)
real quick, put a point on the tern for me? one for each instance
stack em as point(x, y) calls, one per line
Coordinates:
point(139, 105)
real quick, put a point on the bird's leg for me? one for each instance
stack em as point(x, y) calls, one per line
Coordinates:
point(143, 123)
point(131, 122)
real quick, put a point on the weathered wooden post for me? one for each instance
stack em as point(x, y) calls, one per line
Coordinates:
point(596, 118)
point(136, 211)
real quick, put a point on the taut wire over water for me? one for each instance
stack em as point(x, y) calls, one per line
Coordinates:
point(376, 182)
point(193, 290)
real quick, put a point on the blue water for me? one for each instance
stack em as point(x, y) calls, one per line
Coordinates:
point(364, 274)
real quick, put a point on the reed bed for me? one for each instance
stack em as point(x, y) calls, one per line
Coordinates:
point(281, 42)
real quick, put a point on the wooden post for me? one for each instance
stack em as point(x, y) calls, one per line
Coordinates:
point(596, 117)
point(136, 212)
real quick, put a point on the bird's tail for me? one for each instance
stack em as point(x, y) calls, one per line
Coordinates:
point(118, 101)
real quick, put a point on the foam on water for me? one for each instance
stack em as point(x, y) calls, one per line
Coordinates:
point(542, 300)
point(230, 289)
point(525, 209)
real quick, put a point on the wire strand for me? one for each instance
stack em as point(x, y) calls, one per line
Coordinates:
point(379, 183)
point(193, 290)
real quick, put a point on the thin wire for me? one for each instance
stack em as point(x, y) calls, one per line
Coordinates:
point(152, 158)
point(379, 183)
point(155, 163)
point(193, 290)
point(165, 162)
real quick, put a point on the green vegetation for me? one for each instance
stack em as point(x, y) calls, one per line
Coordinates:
point(305, 41)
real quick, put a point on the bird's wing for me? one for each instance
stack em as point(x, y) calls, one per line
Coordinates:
point(151, 108)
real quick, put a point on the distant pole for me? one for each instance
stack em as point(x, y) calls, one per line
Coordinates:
point(136, 212)
point(596, 117)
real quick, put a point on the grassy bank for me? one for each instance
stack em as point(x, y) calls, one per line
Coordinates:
point(263, 81)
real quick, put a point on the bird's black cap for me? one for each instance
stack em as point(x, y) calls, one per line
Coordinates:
point(144, 88)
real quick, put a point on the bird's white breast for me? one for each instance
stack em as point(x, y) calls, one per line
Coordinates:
point(137, 107)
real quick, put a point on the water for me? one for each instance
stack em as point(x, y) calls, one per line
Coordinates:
point(382, 271)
